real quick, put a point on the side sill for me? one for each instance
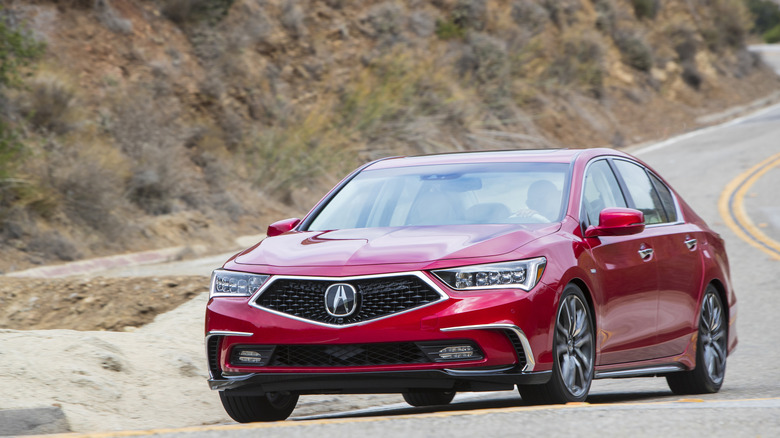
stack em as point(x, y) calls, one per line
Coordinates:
point(639, 372)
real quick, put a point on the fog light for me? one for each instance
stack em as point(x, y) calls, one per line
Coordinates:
point(450, 351)
point(251, 355)
point(456, 352)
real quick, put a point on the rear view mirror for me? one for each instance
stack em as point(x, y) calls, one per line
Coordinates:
point(282, 226)
point(617, 222)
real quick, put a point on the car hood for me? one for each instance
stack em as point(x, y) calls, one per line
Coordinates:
point(372, 246)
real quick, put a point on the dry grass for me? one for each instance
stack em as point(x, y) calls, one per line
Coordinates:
point(333, 133)
point(580, 63)
point(729, 23)
point(634, 50)
point(50, 103)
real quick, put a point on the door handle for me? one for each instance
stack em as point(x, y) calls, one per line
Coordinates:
point(646, 253)
point(690, 243)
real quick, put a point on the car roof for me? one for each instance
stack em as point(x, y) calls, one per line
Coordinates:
point(512, 156)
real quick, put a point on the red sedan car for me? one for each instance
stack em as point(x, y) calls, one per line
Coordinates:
point(474, 271)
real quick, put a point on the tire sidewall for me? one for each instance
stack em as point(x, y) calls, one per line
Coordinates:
point(701, 368)
point(558, 386)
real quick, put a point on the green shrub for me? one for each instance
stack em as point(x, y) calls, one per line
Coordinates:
point(635, 51)
point(17, 50)
point(385, 20)
point(470, 14)
point(530, 16)
point(766, 15)
point(490, 61)
point(772, 35)
point(581, 62)
point(449, 30)
point(691, 75)
point(606, 16)
point(683, 39)
point(10, 148)
point(645, 8)
point(730, 23)
point(186, 11)
point(49, 104)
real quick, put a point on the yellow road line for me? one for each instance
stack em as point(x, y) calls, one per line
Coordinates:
point(732, 208)
point(304, 423)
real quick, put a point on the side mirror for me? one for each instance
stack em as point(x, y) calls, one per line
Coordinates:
point(617, 222)
point(282, 226)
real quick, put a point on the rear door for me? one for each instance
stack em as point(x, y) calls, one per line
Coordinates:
point(676, 251)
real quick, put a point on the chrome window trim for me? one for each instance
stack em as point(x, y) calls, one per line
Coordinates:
point(680, 218)
point(529, 356)
point(419, 274)
point(213, 333)
point(582, 188)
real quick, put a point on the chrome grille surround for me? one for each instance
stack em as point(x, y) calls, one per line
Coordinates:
point(316, 297)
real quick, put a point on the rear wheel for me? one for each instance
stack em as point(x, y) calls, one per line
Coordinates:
point(428, 398)
point(711, 350)
point(573, 353)
point(274, 406)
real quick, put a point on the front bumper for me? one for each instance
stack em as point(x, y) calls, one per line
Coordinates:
point(511, 328)
point(486, 379)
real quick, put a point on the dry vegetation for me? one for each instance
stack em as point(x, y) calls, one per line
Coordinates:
point(151, 123)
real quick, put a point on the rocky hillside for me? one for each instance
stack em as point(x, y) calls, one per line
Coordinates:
point(146, 123)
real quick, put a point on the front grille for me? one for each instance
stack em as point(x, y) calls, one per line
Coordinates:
point(518, 346)
point(212, 353)
point(377, 297)
point(351, 355)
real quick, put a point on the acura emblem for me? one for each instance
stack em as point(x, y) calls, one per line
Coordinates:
point(340, 300)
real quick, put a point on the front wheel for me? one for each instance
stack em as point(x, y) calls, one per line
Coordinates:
point(428, 398)
point(573, 354)
point(273, 406)
point(711, 350)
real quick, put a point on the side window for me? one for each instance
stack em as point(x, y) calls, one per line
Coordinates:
point(642, 192)
point(601, 190)
point(667, 200)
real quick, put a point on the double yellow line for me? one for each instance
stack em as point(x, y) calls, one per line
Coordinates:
point(732, 207)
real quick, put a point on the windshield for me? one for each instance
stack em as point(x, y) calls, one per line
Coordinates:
point(451, 194)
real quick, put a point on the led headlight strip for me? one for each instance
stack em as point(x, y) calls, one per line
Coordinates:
point(523, 274)
point(235, 284)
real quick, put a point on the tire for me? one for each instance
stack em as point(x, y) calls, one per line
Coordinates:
point(573, 354)
point(274, 406)
point(711, 350)
point(428, 398)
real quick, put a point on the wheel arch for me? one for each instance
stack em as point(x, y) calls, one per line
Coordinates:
point(588, 297)
point(721, 289)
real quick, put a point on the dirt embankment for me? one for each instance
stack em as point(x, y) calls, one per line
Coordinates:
point(116, 304)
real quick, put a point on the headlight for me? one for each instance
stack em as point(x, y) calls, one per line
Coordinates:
point(523, 274)
point(234, 284)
